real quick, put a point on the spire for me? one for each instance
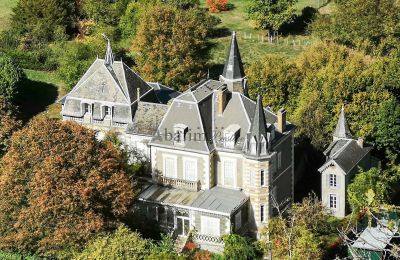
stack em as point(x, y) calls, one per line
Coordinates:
point(342, 129)
point(258, 126)
point(109, 59)
point(233, 68)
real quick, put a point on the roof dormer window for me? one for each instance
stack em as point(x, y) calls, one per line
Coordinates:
point(107, 111)
point(180, 131)
point(231, 136)
point(253, 146)
point(263, 148)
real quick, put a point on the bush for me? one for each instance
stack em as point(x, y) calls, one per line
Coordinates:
point(215, 6)
point(10, 77)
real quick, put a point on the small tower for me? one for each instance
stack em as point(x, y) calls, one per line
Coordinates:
point(342, 130)
point(258, 138)
point(233, 74)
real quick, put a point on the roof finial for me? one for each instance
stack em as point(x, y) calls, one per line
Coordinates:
point(208, 73)
point(109, 59)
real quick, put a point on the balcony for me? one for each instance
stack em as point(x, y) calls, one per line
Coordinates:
point(207, 238)
point(179, 183)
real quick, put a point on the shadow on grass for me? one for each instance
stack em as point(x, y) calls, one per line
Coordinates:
point(34, 97)
point(216, 70)
point(221, 32)
point(300, 24)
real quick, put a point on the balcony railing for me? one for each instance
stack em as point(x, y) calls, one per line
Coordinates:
point(208, 238)
point(179, 183)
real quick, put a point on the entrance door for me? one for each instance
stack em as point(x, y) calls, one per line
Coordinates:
point(182, 226)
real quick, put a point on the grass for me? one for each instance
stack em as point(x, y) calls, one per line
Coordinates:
point(38, 94)
point(5, 12)
point(253, 43)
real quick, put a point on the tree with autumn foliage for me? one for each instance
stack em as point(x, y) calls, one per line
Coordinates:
point(8, 124)
point(216, 6)
point(172, 45)
point(60, 186)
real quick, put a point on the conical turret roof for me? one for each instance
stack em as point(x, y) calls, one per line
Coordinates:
point(342, 128)
point(233, 68)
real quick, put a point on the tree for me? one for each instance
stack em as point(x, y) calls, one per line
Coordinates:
point(376, 21)
point(45, 20)
point(129, 22)
point(164, 249)
point(215, 6)
point(375, 182)
point(279, 80)
point(272, 14)
point(10, 76)
point(104, 11)
point(182, 4)
point(8, 124)
point(59, 186)
point(171, 45)
point(74, 58)
point(120, 245)
point(301, 234)
point(238, 247)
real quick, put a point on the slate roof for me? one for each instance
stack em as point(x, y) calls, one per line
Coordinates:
point(147, 118)
point(342, 128)
point(217, 199)
point(259, 125)
point(346, 153)
point(374, 238)
point(220, 199)
point(233, 67)
point(196, 109)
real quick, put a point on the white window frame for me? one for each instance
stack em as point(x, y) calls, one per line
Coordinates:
point(332, 179)
point(180, 132)
point(229, 140)
point(263, 178)
point(335, 202)
point(233, 161)
point(165, 157)
point(89, 108)
point(210, 222)
point(109, 109)
point(185, 160)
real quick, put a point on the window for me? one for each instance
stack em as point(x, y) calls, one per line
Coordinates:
point(107, 111)
point(263, 177)
point(190, 169)
point(332, 201)
point(87, 108)
point(238, 220)
point(229, 140)
point(179, 133)
point(170, 167)
point(262, 213)
point(279, 160)
point(229, 173)
point(332, 180)
point(210, 226)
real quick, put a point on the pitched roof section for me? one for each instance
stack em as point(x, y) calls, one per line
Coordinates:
point(233, 66)
point(345, 153)
point(342, 128)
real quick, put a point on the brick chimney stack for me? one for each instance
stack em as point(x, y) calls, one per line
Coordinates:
point(281, 124)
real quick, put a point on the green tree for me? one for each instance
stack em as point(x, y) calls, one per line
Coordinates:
point(279, 80)
point(238, 247)
point(8, 124)
point(374, 181)
point(164, 249)
point(104, 11)
point(182, 4)
point(74, 58)
point(129, 22)
point(10, 76)
point(59, 186)
point(376, 21)
point(171, 45)
point(45, 20)
point(272, 14)
point(120, 245)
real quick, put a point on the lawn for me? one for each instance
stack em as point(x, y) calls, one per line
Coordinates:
point(5, 12)
point(253, 43)
point(38, 94)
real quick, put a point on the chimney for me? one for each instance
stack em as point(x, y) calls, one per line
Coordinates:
point(221, 100)
point(360, 142)
point(138, 94)
point(281, 127)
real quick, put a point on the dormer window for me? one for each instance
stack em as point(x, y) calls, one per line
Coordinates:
point(231, 135)
point(180, 131)
point(107, 111)
point(253, 146)
point(263, 145)
point(87, 108)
